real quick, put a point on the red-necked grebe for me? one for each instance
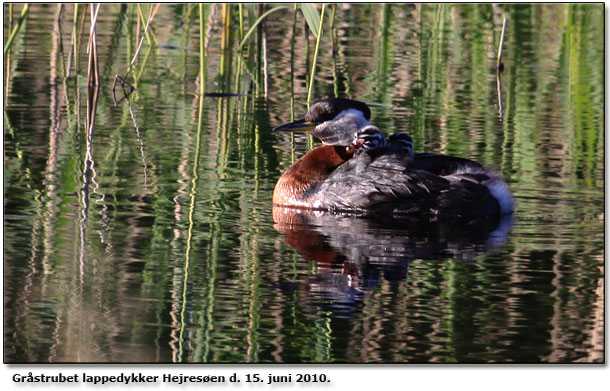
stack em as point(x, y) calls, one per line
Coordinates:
point(358, 170)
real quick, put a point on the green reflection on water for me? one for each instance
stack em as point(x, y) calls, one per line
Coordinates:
point(168, 192)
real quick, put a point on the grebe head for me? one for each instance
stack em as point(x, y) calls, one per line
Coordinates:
point(401, 141)
point(369, 138)
point(333, 121)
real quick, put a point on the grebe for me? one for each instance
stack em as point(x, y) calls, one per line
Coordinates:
point(358, 170)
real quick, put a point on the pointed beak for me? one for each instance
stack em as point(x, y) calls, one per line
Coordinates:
point(296, 126)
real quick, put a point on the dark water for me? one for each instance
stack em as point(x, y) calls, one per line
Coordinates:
point(153, 241)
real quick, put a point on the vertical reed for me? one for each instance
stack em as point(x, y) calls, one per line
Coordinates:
point(255, 22)
point(194, 181)
point(137, 53)
point(334, 50)
point(292, 42)
point(499, 68)
point(265, 61)
point(202, 63)
point(89, 173)
point(13, 34)
point(225, 45)
point(315, 56)
point(72, 55)
point(8, 55)
point(240, 9)
point(499, 62)
point(93, 69)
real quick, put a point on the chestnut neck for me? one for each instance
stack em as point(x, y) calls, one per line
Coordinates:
point(295, 185)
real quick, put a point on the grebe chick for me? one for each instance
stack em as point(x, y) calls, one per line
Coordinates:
point(388, 179)
point(358, 170)
point(402, 141)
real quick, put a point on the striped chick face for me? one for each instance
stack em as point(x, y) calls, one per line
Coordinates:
point(369, 138)
point(401, 141)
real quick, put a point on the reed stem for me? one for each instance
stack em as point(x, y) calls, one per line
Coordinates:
point(315, 56)
point(236, 88)
point(150, 37)
point(260, 19)
point(8, 56)
point(93, 72)
point(11, 38)
point(292, 42)
point(137, 53)
point(72, 56)
point(499, 62)
point(241, 21)
point(201, 62)
point(333, 38)
point(499, 67)
point(10, 18)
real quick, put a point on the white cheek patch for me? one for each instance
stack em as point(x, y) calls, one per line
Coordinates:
point(341, 130)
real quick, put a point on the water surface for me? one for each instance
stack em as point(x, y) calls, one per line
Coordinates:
point(153, 241)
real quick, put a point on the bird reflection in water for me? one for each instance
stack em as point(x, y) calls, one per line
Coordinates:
point(362, 206)
point(352, 255)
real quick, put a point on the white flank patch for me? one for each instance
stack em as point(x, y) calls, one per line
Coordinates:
point(500, 191)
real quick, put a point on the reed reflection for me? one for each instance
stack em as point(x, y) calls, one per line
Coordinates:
point(352, 255)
